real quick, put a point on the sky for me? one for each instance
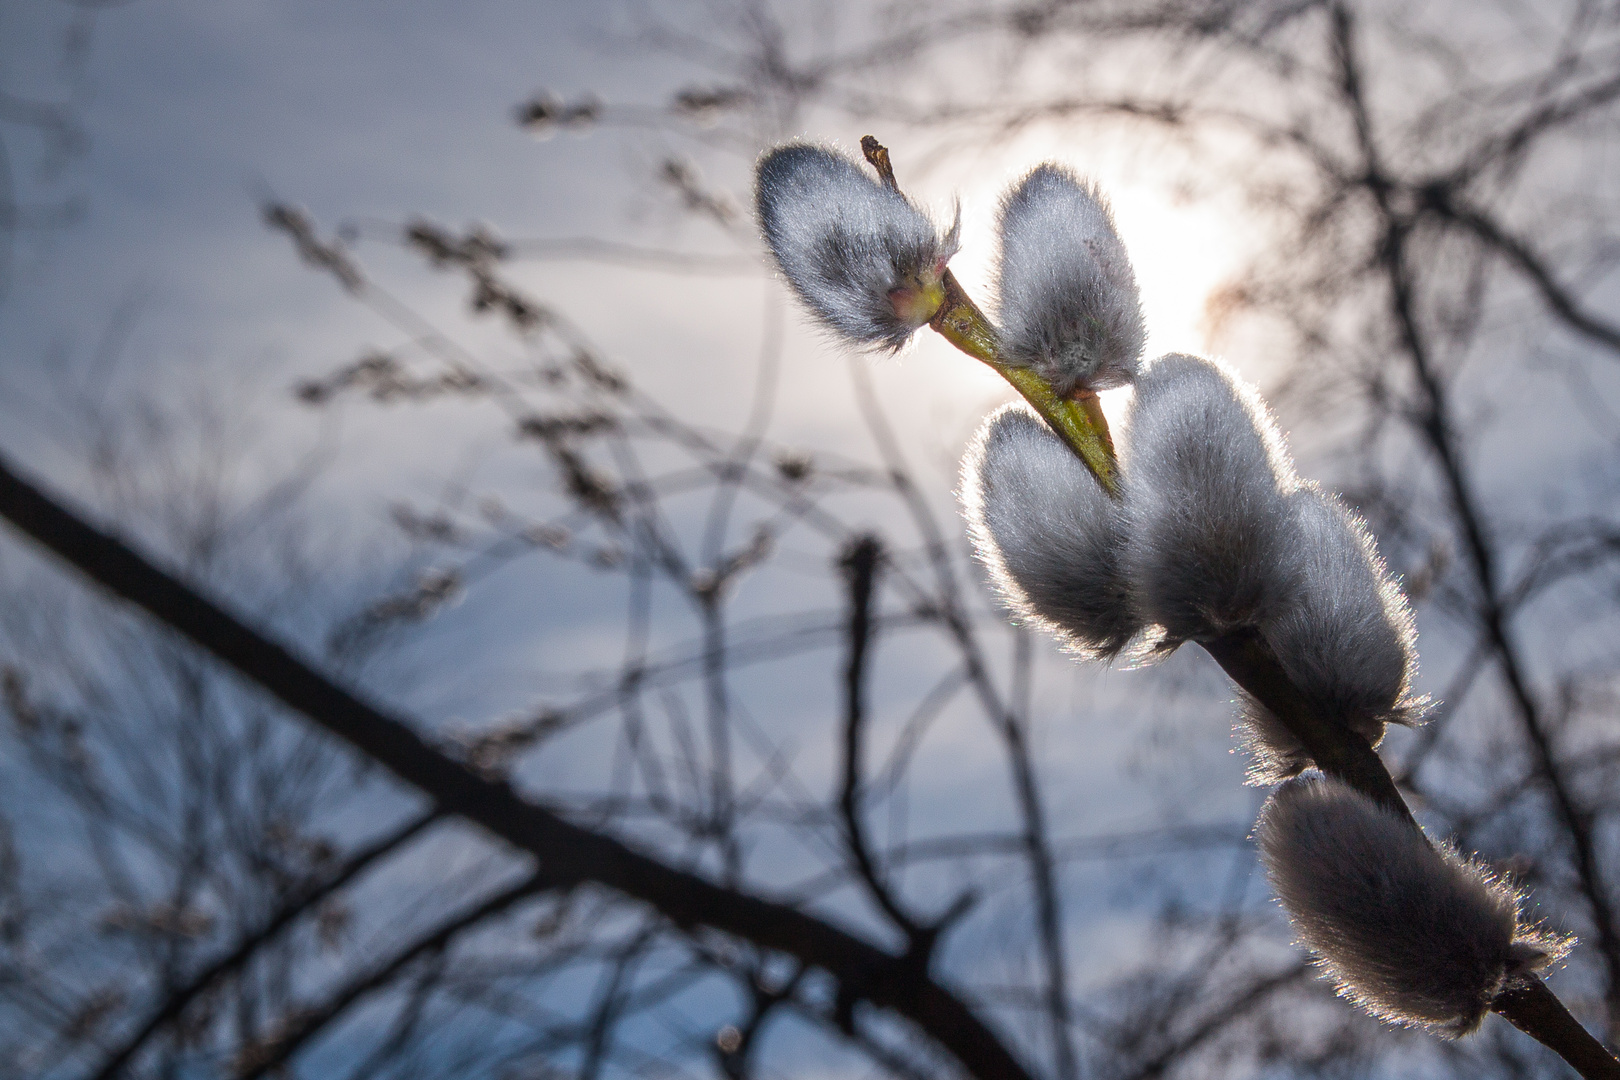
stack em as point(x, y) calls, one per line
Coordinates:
point(164, 286)
point(196, 113)
point(168, 287)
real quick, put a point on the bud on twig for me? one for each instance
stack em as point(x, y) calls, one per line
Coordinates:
point(1068, 301)
point(1050, 537)
point(1206, 493)
point(1415, 935)
point(1345, 638)
point(865, 260)
point(872, 268)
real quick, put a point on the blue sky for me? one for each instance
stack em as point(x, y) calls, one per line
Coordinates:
point(196, 111)
point(378, 112)
point(372, 113)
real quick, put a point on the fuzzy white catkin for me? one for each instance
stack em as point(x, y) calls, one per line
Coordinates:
point(1067, 297)
point(845, 241)
point(1344, 637)
point(1414, 934)
point(1211, 544)
point(1050, 537)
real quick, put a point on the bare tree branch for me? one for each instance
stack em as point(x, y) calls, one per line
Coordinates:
point(304, 1024)
point(177, 1000)
point(1439, 431)
point(567, 852)
point(860, 563)
point(1440, 201)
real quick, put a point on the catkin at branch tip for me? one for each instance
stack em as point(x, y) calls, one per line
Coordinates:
point(1210, 544)
point(1416, 935)
point(846, 243)
point(1067, 296)
point(1050, 538)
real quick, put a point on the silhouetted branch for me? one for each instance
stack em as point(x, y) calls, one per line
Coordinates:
point(304, 1024)
point(200, 983)
point(860, 563)
point(567, 852)
point(1518, 252)
point(1435, 424)
point(1026, 788)
point(1215, 1022)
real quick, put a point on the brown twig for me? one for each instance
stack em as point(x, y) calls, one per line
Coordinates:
point(860, 564)
point(305, 1024)
point(179, 999)
point(568, 852)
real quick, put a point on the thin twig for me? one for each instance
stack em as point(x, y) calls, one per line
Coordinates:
point(569, 852)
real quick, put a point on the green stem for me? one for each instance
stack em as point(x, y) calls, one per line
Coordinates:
point(1079, 421)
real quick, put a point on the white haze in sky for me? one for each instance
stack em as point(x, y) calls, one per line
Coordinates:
point(373, 113)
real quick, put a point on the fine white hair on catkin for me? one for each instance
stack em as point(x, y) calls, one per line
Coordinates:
point(1275, 753)
point(1414, 934)
point(845, 241)
point(1068, 302)
point(1211, 546)
point(1048, 534)
point(1344, 637)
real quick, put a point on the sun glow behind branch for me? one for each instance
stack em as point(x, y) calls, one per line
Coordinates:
point(1183, 251)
